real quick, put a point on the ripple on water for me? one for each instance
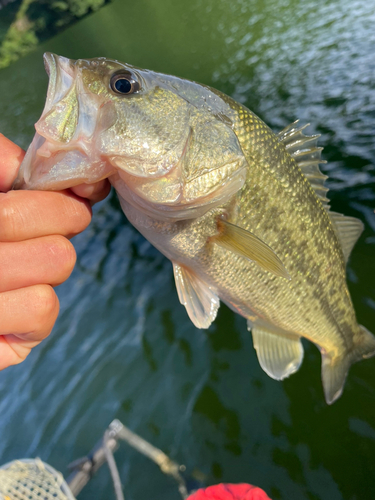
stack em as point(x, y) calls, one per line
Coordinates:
point(124, 347)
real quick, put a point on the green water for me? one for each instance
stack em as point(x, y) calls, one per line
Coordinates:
point(123, 345)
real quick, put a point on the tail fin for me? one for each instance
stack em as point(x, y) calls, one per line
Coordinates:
point(335, 370)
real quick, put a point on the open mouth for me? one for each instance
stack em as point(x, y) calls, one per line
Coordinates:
point(62, 153)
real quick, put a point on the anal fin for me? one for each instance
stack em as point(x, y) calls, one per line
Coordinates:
point(200, 300)
point(279, 354)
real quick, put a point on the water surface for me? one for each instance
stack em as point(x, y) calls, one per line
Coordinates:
point(123, 345)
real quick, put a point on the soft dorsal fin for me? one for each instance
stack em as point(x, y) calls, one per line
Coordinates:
point(242, 242)
point(348, 230)
point(279, 354)
point(200, 300)
point(303, 148)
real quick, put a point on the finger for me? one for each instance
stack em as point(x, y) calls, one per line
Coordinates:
point(29, 313)
point(13, 351)
point(31, 214)
point(11, 157)
point(49, 259)
point(27, 317)
point(93, 192)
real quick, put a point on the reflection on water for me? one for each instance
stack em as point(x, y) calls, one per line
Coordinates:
point(124, 347)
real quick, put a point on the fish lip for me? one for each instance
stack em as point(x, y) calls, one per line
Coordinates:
point(61, 73)
point(52, 62)
point(48, 60)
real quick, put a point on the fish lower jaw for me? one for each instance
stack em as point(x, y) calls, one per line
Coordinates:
point(50, 166)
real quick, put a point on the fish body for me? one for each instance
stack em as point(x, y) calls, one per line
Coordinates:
point(240, 211)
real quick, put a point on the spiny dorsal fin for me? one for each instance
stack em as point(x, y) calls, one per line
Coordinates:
point(348, 229)
point(201, 301)
point(304, 150)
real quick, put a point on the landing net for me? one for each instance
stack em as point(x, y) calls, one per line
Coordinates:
point(32, 480)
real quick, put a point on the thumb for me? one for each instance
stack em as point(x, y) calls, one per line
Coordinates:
point(11, 157)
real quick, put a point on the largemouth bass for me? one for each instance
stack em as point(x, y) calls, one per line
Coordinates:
point(240, 211)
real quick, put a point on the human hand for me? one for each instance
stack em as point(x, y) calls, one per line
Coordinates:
point(35, 253)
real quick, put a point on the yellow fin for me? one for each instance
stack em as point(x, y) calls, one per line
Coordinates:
point(244, 243)
point(349, 229)
point(201, 300)
point(335, 370)
point(279, 354)
point(303, 148)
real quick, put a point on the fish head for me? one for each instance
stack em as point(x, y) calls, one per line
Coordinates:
point(167, 144)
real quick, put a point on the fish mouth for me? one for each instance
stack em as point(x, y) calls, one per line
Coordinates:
point(62, 153)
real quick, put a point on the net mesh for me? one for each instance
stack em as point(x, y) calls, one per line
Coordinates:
point(32, 480)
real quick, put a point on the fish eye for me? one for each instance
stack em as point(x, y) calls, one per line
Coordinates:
point(124, 84)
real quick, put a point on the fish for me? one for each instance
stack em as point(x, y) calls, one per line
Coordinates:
point(241, 212)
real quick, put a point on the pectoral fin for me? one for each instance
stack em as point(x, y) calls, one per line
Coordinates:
point(200, 300)
point(279, 354)
point(243, 242)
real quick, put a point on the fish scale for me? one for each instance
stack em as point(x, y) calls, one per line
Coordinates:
point(277, 232)
point(241, 212)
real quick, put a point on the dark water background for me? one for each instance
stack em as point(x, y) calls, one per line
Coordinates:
point(123, 345)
